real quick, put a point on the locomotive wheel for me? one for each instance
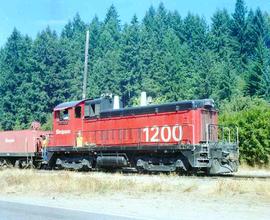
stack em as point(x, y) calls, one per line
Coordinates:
point(18, 164)
point(23, 164)
point(5, 163)
point(38, 165)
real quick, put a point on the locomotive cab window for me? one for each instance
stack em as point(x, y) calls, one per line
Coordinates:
point(62, 115)
point(78, 112)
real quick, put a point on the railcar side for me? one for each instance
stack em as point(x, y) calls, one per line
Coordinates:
point(21, 148)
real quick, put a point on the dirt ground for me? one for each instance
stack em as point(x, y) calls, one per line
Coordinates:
point(143, 196)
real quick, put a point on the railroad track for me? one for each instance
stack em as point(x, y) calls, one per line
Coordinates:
point(221, 176)
point(245, 176)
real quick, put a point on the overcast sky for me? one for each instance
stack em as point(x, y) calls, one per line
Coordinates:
point(31, 16)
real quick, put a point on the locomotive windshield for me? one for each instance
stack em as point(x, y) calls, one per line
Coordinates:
point(62, 115)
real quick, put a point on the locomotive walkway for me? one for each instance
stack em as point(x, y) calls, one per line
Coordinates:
point(19, 211)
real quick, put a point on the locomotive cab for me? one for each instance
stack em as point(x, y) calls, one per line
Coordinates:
point(68, 119)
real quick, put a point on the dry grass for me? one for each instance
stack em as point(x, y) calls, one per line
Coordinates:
point(14, 181)
point(31, 181)
point(233, 187)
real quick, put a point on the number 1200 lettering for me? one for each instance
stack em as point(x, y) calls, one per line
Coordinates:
point(166, 133)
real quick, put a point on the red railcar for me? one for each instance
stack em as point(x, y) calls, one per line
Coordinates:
point(20, 146)
point(173, 136)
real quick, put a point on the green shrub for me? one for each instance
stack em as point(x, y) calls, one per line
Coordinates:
point(49, 123)
point(252, 116)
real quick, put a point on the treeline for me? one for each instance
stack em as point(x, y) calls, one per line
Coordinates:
point(168, 56)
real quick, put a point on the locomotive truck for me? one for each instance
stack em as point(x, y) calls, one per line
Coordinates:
point(93, 134)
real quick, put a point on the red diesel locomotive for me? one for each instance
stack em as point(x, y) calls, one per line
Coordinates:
point(178, 136)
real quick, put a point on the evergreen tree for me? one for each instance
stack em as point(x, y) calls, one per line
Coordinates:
point(131, 79)
point(50, 60)
point(195, 32)
point(220, 39)
point(259, 78)
point(256, 30)
point(94, 53)
point(106, 68)
point(14, 67)
point(178, 82)
point(206, 76)
point(267, 24)
point(238, 32)
point(72, 44)
point(176, 23)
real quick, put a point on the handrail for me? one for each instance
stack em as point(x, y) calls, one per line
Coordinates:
point(222, 129)
point(229, 131)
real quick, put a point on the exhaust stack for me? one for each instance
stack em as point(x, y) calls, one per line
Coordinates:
point(143, 99)
point(116, 102)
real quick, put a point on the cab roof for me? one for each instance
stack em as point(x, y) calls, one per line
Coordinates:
point(66, 105)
